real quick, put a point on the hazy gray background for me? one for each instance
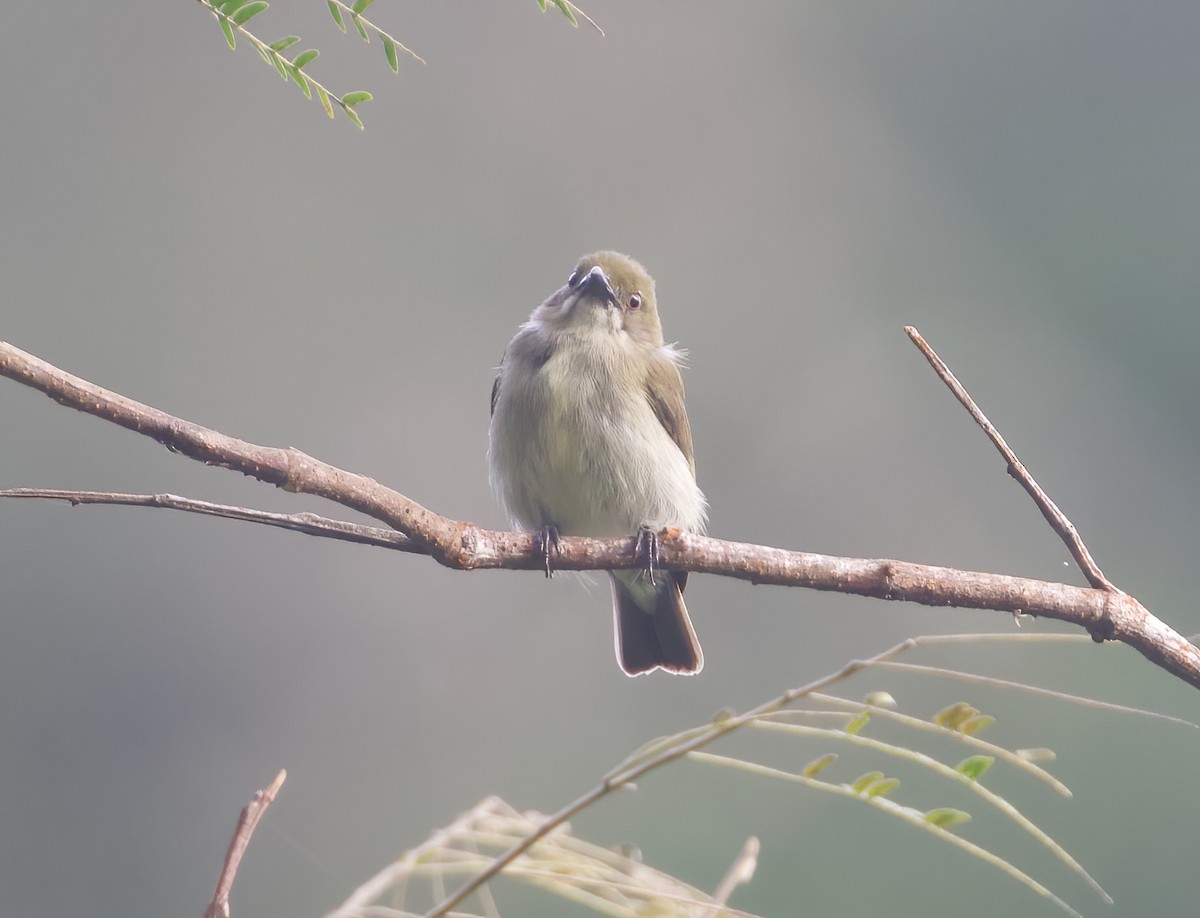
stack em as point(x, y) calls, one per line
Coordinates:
point(1019, 180)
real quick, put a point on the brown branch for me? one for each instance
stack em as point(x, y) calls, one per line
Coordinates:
point(1056, 518)
point(252, 812)
point(1107, 614)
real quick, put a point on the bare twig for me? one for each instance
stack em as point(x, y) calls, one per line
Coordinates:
point(1106, 614)
point(252, 812)
point(1056, 518)
point(307, 523)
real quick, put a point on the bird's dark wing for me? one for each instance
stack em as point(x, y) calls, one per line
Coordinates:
point(664, 391)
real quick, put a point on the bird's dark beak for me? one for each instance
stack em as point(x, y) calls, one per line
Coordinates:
point(595, 284)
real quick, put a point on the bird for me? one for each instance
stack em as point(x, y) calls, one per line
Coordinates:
point(589, 436)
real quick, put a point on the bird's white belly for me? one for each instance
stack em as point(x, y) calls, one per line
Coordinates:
point(596, 462)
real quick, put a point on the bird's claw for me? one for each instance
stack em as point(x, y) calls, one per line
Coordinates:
point(547, 546)
point(646, 551)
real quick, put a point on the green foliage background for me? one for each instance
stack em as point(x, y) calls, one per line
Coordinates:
point(1017, 180)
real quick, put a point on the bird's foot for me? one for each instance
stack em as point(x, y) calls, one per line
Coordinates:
point(646, 551)
point(547, 545)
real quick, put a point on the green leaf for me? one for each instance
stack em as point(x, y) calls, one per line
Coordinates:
point(353, 116)
point(946, 817)
point(975, 766)
point(816, 766)
point(281, 66)
point(325, 103)
point(245, 13)
point(265, 54)
point(882, 787)
point(228, 30)
point(362, 29)
point(542, 4)
point(862, 782)
point(284, 43)
point(357, 97)
point(863, 718)
point(305, 57)
point(360, 6)
point(336, 12)
point(301, 81)
point(228, 6)
point(389, 48)
point(567, 11)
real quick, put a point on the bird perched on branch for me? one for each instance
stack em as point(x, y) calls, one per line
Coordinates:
point(589, 436)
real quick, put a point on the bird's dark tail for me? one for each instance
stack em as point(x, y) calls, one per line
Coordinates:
point(653, 630)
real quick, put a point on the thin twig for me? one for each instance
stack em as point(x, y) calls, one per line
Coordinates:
point(307, 523)
point(1056, 518)
point(252, 812)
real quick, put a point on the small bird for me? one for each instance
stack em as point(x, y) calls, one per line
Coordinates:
point(589, 436)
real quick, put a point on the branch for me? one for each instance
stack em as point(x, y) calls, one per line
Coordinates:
point(252, 812)
point(1107, 614)
point(1056, 518)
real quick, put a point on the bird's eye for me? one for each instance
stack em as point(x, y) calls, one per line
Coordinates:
point(573, 279)
point(635, 302)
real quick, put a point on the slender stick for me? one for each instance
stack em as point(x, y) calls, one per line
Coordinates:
point(252, 812)
point(307, 523)
point(1056, 518)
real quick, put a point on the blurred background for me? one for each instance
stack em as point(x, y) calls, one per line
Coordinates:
point(1018, 180)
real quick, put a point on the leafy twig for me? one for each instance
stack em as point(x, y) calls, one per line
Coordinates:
point(365, 27)
point(232, 15)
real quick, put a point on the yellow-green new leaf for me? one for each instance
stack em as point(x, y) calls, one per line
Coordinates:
point(953, 716)
point(244, 14)
point(357, 97)
point(353, 116)
point(975, 766)
point(947, 817)
point(336, 12)
point(977, 723)
point(881, 788)
point(855, 725)
point(862, 782)
point(816, 766)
